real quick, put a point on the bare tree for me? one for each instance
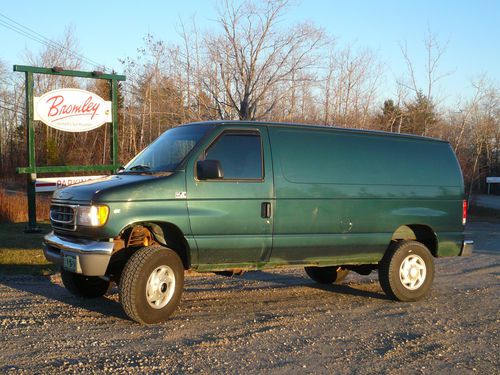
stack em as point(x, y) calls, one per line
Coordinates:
point(477, 144)
point(434, 51)
point(63, 53)
point(351, 81)
point(466, 112)
point(253, 55)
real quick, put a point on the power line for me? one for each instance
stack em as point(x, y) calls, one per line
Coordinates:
point(47, 43)
point(33, 35)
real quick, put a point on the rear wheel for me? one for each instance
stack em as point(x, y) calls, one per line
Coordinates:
point(407, 270)
point(84, 286)
point(151, 284)
point(327, 275)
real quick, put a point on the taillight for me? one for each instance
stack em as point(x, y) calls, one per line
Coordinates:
point(464, 212)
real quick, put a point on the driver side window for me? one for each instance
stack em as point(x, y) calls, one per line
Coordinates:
point(240, 155)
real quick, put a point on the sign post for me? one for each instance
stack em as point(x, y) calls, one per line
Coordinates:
point(73, 109)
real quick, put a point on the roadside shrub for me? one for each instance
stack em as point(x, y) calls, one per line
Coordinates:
point(14, 207)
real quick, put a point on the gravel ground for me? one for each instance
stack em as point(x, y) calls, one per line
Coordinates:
point(266, 322)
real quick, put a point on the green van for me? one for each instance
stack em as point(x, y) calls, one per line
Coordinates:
point(231, 196)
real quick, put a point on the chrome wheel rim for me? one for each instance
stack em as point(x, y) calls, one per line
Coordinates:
point(412, 272)
point(160, 287)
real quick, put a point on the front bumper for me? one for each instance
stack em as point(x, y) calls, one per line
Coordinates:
point(467, 248)
point(92, 257)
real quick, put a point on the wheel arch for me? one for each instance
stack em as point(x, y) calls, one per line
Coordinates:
point(417, 232)
point(164, 233)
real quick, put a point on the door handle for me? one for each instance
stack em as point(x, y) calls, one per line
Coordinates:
point(265, 210)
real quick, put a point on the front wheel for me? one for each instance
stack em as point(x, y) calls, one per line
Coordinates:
point(151, 284)
point(84, 286)
point(407, 270)
point(327, 275)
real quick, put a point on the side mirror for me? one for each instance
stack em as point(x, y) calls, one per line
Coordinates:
point(209, 170)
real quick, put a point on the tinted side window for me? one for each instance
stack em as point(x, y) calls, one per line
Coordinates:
point(240, 155)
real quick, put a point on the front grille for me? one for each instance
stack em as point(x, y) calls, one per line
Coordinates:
point(63, 217)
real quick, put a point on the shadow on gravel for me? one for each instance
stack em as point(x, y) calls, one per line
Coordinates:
point(43, 287)
point(290, 280)
point(346, 289)
point(273, 281)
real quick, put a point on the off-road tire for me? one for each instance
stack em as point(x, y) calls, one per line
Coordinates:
point(390, 268)
point(84, 286)
point(134, 280)
point(327, 275)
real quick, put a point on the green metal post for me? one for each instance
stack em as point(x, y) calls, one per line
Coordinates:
point(32, 169)
point(30, 144)
point(114, 137)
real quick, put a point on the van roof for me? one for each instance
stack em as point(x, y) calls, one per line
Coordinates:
point(320, 127)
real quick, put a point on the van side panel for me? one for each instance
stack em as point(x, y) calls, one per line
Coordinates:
point(353, 190)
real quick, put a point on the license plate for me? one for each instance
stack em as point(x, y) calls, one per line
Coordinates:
point(69, 262)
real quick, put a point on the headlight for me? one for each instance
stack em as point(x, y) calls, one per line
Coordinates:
point(94, 216)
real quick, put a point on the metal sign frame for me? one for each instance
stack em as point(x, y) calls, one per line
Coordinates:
point(32, 168)
point(492, 180)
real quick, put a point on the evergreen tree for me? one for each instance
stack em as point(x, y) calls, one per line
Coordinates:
point(420, 114)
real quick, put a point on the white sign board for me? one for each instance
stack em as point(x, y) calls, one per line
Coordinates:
point(52, 183)
point(493, 180)
point(72, 110)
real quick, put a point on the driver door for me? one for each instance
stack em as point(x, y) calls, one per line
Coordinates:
point(232, 217)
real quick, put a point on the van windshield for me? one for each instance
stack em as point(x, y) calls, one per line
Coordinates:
point(168, 150)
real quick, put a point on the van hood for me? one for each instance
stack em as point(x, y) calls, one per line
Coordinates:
point(115, 187)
